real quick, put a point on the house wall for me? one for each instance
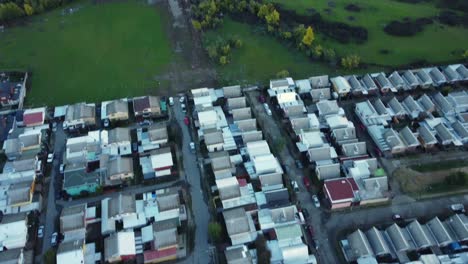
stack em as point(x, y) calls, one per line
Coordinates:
point(121, 176)
point(335, 206)
point(161, 173)
point(215, 147)
point(118, 116)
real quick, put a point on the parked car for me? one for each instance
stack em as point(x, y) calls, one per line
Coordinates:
point(186, 120)
point(171, 101)
point(134, 147)
point(311, 230)
point(316, 201)
point(295, 186)
point(261, 99)
point(182, 99)
point(315, 244)
point(183, 108)
point(40, 231)
point(54, 126)
point(267, 109)
point(50, 157)
point(53, 239)
point(62, 168)
point(458, 208)
point(192, 147)
point(306, 182)
point(299, 164)
point(305, 213)
point(397, 218)
point(146, 122)
point(106, 122)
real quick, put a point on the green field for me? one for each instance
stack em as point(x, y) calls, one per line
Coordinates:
point(437, 43)
point(262, 56)
point(99, 52)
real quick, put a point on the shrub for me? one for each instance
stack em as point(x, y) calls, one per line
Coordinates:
point(282, 74)
point(350, 62)
point(406, 28)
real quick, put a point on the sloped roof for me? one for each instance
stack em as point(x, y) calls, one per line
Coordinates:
point(359, 244)
point(236, 221)
point(118, 134)
point(341, 189)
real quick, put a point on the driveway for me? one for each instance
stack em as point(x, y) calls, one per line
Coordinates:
point(202, 250)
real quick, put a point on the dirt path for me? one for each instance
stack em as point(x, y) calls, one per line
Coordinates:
point(191, 69)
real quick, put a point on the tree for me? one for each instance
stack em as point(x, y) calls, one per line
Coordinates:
point(28, 9)
point(263, 253)
point(282, 74)
point(329, 55)
point(212, 51)
point(286, 35)
point(317, 51)
point(215, 231)
point(10, 11)
point(273, 18)
point(308, 37)
point(238, 43)
point(226, 49)
point(465, 54)
point(350, 62)
point(196, 25)
point(223, 60)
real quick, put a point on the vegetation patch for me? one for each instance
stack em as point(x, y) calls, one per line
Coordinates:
point(353, 8)
point(408, 27)
point(439, 166)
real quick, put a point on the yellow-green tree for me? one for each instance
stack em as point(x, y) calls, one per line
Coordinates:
point(308, 37)
point(223, 60)
point(28, 9)
point(195, 23)
point(350, 62)
point(465, 54)
point(273, 18)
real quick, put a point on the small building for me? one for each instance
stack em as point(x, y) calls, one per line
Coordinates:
point(356, 86)
point(384, 84)
point(354, 150)
point(14, 231)
point(327, 169)
point(116, 169)
point(378, 243)
point(160, 163)
point(241, 113)
point(409, 139)
point(344, 135)
point(303, 86)
point(238, 255)
point(461, 131)
point(444, 136)
point(114, 111)
point(340, 85)
point(34, 117)
point(413, 109)
point(439, 232)
point(459, 225)
point(72, 252)
point(398, 238)
point(451, 74)
point(410, 79)
point(426, 103)
point(396, 108)
point(368, 115)
point(424, 78)
point(419, 235)
point(281, 86)
point(232, 91)
point(426, 137)
point(147, 106)
point(369, 84)
point(360, 246)
point(26, 145)
point(214, 140)
point(340, 193)
point(119, 247)
point(398, 82)
point(80, 115)
point(151, 138)
point(116, 142)
point(438, 78)
point(236, 103)
point(240, 226)
point(77, 181)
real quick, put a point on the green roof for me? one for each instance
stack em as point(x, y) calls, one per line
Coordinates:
point(379, 172)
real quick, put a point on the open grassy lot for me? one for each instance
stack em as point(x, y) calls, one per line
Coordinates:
point(261, 56)
point(98, 52)
point(437, 43)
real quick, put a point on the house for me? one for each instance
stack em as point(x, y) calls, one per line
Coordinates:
point(241, 113)
point(438, 78)
point(235, 192)
point(439, 232)
point(459, 225)
point(359, 246)
point(410, 79)
point(236, 103)
point(320, 88)
point(163, 239)
point(328, 108)
point(461, 131)
point(426, 137)
point(119, 247)
point(116, 110)
point(396, 108)
point(116, 169)
point(340, 193)
point(462, 71)
point(382, 81)
point(19, 197)
point(340, 85)
point(397, 82)
point(73, 222)
point(409, 139)
point(356, 87)
point(399, 241)
point(269, 218)
point(303, 86)
point(327, 169)
point(26, 145)
point(451, 74)
point(459, 101)
point(413, 109)
point(83, 150)
point(34, 117)
point(443, 105)
point(281, 86)
point(213, 118)
point(354, 150)
point(221, 165)
point(424, 78)
point(116, 141)
point(344, 135)
point(426, 103)
point(203, 99)
point(232, 91)
point(369, 84)
point(382, 110)
point(239, 226)
point(368, 115)
point(77, 180)
point(13, 231)
point(306, 123)
point(238, 255)
point(80, 115)
point(214, 140)
point(394, 141)
point(147, 106)
point(378, 243)
point(289, 246)
point(72, 252)
point(151, 138)
point(444, 136)
point(158, 164)
point(419, 234)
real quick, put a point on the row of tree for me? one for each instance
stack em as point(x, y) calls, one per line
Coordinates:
point(19, 8)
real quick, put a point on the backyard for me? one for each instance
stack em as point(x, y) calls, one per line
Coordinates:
point(262, 56)
point(437, 43)
point(90, 52)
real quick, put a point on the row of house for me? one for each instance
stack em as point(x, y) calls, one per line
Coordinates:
point(395, 242)
point(249, 181)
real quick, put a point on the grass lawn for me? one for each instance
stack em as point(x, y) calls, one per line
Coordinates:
point(437, 43)
point(262, 56)
point(439, 166)
point(99, 52)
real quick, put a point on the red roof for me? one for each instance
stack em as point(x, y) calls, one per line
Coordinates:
point(33, 118)
point(242, 182)
point(150, 255)
point(340, 189)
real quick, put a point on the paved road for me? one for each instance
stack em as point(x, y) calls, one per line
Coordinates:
point(201, 253)
point(51, 209)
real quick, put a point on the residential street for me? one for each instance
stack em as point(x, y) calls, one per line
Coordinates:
point(201, 253)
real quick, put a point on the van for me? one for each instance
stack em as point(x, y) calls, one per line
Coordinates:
point(295, 186)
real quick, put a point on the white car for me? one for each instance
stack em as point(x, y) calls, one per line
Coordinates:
point(40, 231)
point(183, 108)
point(106, 122)
point(53, 240)
point(316, 201)
point(62, 168)
point(192, 147)
point(171, 101)
point(182, 99)
point(295, 186)
point(458, 208)
point(50, 157)
point(267, 109)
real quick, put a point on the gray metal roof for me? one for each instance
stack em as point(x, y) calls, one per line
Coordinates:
point(419, 235)
point(398, 240)
point(459, 225)
point(377, 242)
point(439, 232)
point(359, 244)
point(236, 221)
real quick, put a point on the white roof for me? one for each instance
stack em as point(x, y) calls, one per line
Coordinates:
point(60, 111)
point(161, 160)
point(341, 84)
point(284, 98)
point(207, 117)
point(312, 139)
point(257, 148)
point(126, 243)
point(337, 121)
point(266, 164)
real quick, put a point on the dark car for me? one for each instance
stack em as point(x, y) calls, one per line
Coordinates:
point(299, 164)
point(261, 99)
point(305, 213)
point(134, 147)
point(186, 120)
point(311, 230)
